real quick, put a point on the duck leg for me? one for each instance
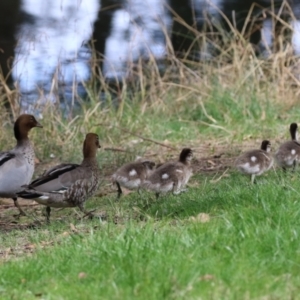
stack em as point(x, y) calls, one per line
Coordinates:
point(119, 190)
point(294, 165)
point(22, 213)
point(176, 188)
point(48, 211)
point(253, 181)
point(86, 213)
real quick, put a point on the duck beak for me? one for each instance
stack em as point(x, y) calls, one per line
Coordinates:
point(38, 125)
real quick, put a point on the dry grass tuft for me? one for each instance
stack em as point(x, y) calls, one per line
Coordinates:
point(233, 96)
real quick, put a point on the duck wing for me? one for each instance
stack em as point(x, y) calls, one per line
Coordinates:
point(57, 178)
point(5, 156)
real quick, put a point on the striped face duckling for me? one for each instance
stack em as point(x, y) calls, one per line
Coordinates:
point(288, 154)
point(171, 176)
point(132, 175)
point(255, 162)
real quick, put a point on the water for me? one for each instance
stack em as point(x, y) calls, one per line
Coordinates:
point(139, 29)
point(52, 60)
point(52, 55)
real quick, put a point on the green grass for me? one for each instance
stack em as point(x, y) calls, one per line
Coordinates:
point(249, 249)
point(147, 249)
point(183, 114)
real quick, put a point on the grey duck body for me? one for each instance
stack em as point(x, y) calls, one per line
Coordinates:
point(288, 154)
point(132, 175)
point(255, 162)
point(171, 176)
point(17, 165)
point(68, 185)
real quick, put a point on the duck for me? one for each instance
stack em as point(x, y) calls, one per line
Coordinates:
point(288, 154)
point(255, 162)
point(68, 184)
point(132, 175)
point(17, 165)
point(171, 176)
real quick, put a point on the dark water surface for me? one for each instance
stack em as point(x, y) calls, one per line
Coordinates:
point(47, 44)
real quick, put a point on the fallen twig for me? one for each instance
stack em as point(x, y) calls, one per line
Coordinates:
point(116, 150)
point(140, 137)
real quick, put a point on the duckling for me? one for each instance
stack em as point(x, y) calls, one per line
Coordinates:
point(17, 165)
point(255, 162)
point(132, 175)
point(68, 185)
point(288, 154)
point(171, 176)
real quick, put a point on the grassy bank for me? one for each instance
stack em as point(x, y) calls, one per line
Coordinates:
point(244, 245)
point(223, 239)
